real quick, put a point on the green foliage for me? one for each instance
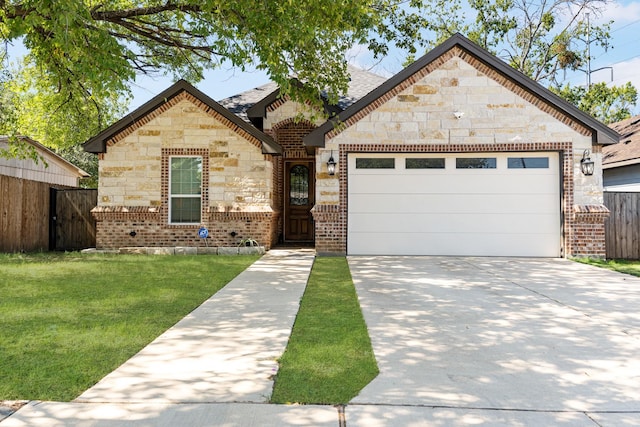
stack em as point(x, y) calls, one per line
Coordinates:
point(70, 319)
point(329, 358)
point(620, 265)
point(87, 52)
point(540, 39)
point(51, 117)
point(609, 104)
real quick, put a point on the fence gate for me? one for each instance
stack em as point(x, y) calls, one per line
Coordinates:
point(622, 229)
point(72, 226)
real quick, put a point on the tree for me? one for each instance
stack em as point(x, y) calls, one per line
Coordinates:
point(88, 52)
point(609, 104)
point(540, 38)
point(543, 39)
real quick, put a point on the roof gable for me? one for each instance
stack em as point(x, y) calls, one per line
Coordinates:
point(460, 45)
point(138, 117)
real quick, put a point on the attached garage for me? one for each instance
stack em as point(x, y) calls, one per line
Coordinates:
point(459, 154)
point(478, 204)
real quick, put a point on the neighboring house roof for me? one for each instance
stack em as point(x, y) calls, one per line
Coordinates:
point(253, 103)
point(50, 167)
point(98, 144)
point(601, 134)
point(627, 151)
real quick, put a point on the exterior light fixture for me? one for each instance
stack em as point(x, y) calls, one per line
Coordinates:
point(586, 164)
point(331, 165)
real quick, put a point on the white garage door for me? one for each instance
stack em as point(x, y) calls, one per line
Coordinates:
point(487, 204)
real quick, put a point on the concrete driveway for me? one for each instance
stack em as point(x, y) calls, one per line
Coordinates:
point(494, 335)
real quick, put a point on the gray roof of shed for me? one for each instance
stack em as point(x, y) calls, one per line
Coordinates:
point(601, 134)
point(98, 144)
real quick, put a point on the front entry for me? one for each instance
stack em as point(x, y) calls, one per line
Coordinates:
point(299, 198)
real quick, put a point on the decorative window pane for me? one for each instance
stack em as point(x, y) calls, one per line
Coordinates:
point(299, 186)
point(424, 163)
point(528, 163)
point(475, 163)
point(375, 163)
point(185, 189)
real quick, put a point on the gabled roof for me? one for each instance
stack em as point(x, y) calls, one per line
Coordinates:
point(361, 82)
point(601, 133)
point(47, 154)
point(627, 151)
point(98, 144)
point(240, 103)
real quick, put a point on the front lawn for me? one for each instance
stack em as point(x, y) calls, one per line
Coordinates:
point(329, 358)
point(67, 320)
point(620, 265)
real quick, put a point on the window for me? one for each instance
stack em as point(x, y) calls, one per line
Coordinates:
point(528, 163)
point(299, 186)
point(185, 190)
point(419, 163)
point(475, 163)
point(375, 163)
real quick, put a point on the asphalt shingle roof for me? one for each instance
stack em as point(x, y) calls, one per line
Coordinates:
point(627, 151)
point(362, 82)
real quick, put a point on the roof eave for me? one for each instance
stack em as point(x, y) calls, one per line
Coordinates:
point(621, 163)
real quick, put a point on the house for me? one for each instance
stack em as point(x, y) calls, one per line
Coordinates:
point(458, 154)
point(621, 162)
point(50, 167)
point(26, 202)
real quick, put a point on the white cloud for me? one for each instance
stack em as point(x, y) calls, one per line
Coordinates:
point(626, 71)
point(621, 13)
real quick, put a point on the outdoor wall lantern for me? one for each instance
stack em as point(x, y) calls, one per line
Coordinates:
point(331, 165)
point(586, 164)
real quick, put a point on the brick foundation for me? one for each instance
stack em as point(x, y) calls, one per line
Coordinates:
point(587, 235)
point(118, 227)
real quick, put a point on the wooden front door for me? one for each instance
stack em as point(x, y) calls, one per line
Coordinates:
point(298, 201)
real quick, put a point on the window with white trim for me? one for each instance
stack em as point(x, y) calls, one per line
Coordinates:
point(185, 189)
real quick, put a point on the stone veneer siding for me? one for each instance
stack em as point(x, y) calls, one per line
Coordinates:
point(237, 181)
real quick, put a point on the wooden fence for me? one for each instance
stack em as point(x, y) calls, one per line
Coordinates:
point(73, 223)
point(622, 229)
point(36, 217)
point(24, 215)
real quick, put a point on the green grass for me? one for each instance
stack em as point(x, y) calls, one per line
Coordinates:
point(329, 358)
point(67, 320)
point(620, 265)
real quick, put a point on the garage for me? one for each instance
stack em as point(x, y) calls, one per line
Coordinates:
point(475, 204)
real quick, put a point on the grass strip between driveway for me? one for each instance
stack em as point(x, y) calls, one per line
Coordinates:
point(329, 357)
point(67, 320)
point(620, 265)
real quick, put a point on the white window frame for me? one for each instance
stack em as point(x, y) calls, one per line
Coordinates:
point(183, 196)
